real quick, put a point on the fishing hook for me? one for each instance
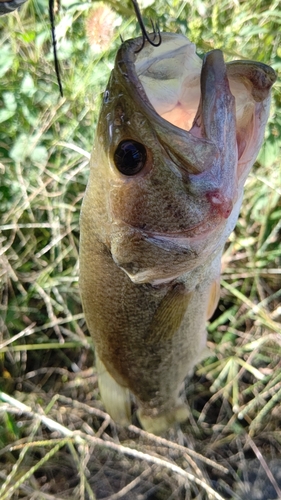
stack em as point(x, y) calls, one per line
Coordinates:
point(145, 35)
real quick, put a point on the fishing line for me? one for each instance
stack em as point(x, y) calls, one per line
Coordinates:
point(54, 43)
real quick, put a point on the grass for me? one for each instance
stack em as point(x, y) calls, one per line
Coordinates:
point(55, 440)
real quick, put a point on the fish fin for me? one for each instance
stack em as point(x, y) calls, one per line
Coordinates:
point(214, 298)
point(115, 398)
point(169, 314)
point(157, 424)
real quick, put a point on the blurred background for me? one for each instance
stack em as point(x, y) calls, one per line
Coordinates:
point(46, 354)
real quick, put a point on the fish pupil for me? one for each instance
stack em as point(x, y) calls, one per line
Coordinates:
point(130, 157)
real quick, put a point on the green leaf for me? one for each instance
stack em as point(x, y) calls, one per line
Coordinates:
point(6, 59)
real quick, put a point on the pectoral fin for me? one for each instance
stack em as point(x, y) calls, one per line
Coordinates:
point(116, 398)
point(169, 315)
point(214, 298)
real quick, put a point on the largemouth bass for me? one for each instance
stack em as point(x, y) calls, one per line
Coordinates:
point(175, 141)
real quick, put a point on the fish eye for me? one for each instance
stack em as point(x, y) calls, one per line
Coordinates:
point(130, 157)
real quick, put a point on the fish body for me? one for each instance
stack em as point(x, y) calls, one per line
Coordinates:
point(175, 141)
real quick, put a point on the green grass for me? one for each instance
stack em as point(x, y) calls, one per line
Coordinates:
point(46, 355)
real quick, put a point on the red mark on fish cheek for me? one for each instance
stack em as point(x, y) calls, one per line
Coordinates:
point(220, 204)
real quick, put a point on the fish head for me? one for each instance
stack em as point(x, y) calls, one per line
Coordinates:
point(177, 136)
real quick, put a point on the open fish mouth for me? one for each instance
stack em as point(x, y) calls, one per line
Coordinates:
point(171, 79)
point(178, 83)
point(196, 96)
